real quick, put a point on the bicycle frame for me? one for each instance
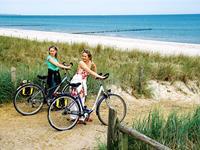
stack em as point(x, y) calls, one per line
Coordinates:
point(57, 87)
point(101, 90)
point(46, 91)
point(99, 95)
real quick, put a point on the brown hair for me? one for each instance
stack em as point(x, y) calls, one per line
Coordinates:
point(88, 53)
point(55, 48)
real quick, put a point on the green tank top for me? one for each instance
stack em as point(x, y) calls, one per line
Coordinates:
point(50, 65)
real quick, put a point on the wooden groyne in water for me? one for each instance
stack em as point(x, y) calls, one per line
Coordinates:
point(117, 30)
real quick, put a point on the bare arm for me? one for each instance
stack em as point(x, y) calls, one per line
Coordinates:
point(86, 68)
point(94, 67)
point(58, 64)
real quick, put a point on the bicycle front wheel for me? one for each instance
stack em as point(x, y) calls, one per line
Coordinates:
point(29, 99)
point(116, 102)
point(63, 113)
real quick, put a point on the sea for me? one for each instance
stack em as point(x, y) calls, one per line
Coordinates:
point(173, 28)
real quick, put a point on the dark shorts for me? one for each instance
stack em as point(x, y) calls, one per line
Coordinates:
point(53, 78)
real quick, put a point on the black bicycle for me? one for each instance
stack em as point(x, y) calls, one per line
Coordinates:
point(67, 115)
point(30, 97)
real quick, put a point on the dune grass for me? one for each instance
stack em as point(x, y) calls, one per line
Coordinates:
point(128, 69)
point(6, 86)
point(177, 131)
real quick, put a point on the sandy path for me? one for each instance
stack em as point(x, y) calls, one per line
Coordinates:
point(34, 132)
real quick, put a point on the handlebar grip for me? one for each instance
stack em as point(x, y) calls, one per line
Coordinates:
point(98, 74)
point(105, 75)
point(64, 63)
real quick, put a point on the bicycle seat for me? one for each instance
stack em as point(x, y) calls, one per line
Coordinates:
point(42, 77)
point(75, 85)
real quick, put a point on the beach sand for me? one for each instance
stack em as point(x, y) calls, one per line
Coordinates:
point(164, 48)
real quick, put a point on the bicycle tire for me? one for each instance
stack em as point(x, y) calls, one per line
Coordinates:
point(31, 102)
point(111, 100)
point(66, 117)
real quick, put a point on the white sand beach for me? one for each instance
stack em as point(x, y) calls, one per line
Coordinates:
point(164, 48)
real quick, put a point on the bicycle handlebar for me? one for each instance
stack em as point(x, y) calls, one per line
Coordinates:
point(71, 63)
point(105, 75)
point(65, 64)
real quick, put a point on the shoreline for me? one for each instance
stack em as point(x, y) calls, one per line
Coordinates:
point(127, 44)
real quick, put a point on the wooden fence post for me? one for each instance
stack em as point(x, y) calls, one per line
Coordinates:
point(13, 75)
point(115, 139)
point(123, 141)
point(111, 129)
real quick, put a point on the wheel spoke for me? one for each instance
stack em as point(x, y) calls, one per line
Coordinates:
point(114, 101)
point(28, 99)
point(66, 115)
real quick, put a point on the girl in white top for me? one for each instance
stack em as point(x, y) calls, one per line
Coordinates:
point(85, 67)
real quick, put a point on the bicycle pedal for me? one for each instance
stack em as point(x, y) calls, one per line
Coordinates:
point(49, 101)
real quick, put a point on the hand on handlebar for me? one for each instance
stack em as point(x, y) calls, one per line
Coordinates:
point(103, 77)
point(67, 66)
point(71, 64)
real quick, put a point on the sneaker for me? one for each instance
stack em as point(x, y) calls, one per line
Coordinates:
point(81, 122)
point(88, 119)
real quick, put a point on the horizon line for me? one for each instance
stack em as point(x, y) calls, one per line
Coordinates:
point(100, 14)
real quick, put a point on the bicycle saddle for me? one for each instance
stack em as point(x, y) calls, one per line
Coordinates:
point(74, 85)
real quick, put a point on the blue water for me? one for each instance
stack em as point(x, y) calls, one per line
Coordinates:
point(175, 28)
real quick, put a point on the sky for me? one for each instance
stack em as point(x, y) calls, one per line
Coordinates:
point(99, 7)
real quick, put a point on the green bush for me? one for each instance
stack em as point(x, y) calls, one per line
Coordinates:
point(7, 88)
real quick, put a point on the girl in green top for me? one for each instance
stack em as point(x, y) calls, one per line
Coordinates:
point(53, 67)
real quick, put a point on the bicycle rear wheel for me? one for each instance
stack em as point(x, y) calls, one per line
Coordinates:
point(63, 113)
point(29, 99)
point(114, 101)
